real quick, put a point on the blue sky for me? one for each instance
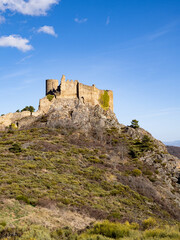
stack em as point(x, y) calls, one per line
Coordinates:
point(129, 46)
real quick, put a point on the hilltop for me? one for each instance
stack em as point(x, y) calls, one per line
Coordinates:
point(71, 164)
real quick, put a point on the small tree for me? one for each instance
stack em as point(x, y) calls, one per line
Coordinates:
point(134, 123)
point(28, 108)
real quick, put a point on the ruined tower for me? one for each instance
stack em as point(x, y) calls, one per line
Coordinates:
point(51, 86)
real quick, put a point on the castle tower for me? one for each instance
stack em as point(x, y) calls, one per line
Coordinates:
point(51, 85)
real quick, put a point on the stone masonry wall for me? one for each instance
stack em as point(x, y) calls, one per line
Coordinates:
point(68, 89)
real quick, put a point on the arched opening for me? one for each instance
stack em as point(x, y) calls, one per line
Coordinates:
point(178, 179)
point(82, 99)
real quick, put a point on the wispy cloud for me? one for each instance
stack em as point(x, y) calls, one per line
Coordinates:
point(28, 7)
point(15, 41)
point(157, 34)
point(80, 20)
point(25, 58)
point(108, 20)
point(48, 30)
point(162, 31)
point(2, 19)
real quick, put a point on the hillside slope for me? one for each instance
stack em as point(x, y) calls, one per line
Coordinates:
point(174, 151)
point(76, 165)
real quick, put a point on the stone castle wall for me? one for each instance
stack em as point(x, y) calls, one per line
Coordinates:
point(73, 89)
point(68, 89)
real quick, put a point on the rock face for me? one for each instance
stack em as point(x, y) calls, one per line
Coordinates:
point(68, 113)
point(76, 114)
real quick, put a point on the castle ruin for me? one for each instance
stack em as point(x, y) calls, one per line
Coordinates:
point(73, 89)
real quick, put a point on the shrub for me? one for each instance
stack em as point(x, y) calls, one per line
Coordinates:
point(146, 143)
point(134, 123)
point(133, 152)
point(3, 223)
point(16, 148)
point(112, 230)
point(43, 118)
point(136, 172)
point(103, 156)
point(148, 172)
point(23, 199)
point(158, 233)
point(149, 223)
point(94, 159)
point(50, 97)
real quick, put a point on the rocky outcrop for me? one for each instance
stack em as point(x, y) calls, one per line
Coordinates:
point(75, 114)
point(67, 113)
point(8, 119)
point(139, 133)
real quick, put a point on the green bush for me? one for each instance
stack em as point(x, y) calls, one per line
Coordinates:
point(158, 233)
point(3, 223)
point(23, 199)
point(137, 147)
point(50, 97)
point(112, 230)
point(16, 148)
point(136, 172)
point(149, 223)
point(134, 124)
point(94, 159)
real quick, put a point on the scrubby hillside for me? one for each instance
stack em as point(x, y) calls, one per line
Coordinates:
point(63, 171)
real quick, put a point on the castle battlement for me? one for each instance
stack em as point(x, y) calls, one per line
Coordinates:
point(73, 89)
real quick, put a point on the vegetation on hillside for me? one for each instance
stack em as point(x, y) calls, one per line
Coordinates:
point(47, 175)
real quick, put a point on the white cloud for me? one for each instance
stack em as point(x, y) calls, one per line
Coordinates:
point(83, 20)
point(48, 30)
point(15, 41)
point(2, 19)
point(28, 7)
